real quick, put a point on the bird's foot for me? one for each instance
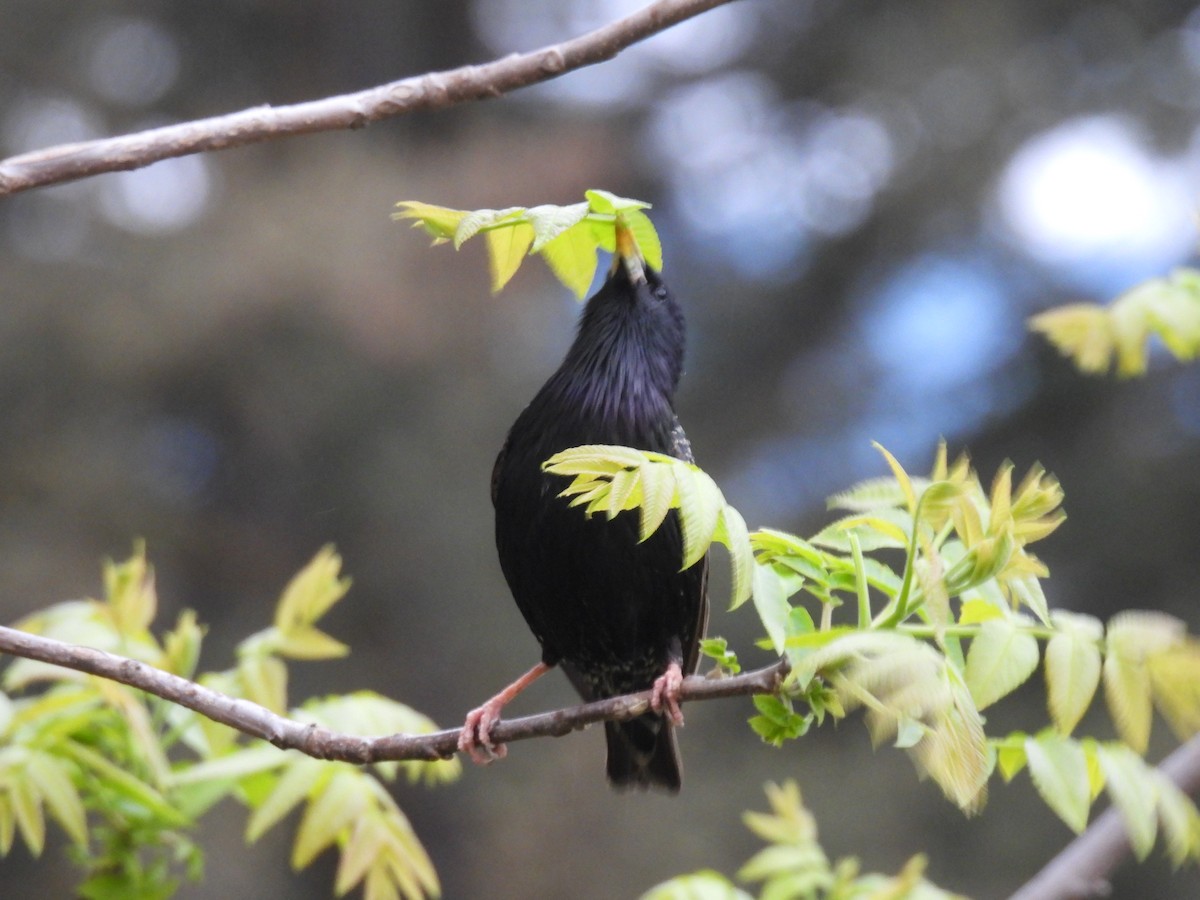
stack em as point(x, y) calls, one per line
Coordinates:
point(664, 697)
point(475, 739)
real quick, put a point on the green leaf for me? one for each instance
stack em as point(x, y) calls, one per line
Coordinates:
point(572, 258)
point(1000, 660)
point(702, 885)
point(27, 807)
point(645, 236)
point(700, 505)
point(129, 589)
point(297, 782)
point(1132, 636)
point(507, 249)
point(1134, 793)
point(771, 602)
point(872, 494)
point(474, 222)
point(335, 807)
point(606, 202)
point(1010, 756)
point(1072, 668)
point(439, 222)
point(233, 766)
point(902, 479)
point(732, 532)
point(53, 782)
point(1180, 821)
point(311, 592)
point(310, 644)
point(1058, 768)
point(549, 222)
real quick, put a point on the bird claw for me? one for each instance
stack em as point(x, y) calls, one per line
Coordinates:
point(475, 739)
point(664, 696)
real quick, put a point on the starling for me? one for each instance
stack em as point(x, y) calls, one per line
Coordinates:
point(617, 614)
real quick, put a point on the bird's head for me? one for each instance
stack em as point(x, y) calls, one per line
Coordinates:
point(632, 328)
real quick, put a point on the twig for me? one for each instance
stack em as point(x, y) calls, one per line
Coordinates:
point(1083, 867)
point(435, 90)
point(317, 741)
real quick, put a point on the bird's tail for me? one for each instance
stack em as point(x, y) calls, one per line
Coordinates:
point(643, 754)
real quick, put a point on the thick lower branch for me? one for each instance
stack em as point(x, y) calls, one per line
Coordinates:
point(314, 740)
point(435, 90)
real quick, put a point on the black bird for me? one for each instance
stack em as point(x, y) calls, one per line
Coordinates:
point(617, 615)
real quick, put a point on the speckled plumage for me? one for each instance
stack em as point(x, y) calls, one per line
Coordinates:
point(614, 613)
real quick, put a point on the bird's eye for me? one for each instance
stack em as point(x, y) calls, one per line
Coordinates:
point(660, 293)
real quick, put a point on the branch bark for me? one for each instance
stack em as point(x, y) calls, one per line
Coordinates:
point(321, 743)
point(1083, 867)
point(435, 90)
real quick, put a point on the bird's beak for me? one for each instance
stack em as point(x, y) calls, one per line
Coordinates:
point(629, 255)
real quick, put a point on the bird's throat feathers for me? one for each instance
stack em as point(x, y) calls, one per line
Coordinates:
point(627, 357)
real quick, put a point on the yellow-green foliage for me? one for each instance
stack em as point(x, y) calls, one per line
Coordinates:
point(126, 775)
point(1093, 335)
point(926, 647)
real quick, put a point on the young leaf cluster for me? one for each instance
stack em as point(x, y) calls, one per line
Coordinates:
point(568, 238)
point(793, 865)
point(923, 647)
point(127, 776)
point(1092, 335)
point(1070, 774)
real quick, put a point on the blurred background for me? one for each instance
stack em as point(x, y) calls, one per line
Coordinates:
point(240, 358)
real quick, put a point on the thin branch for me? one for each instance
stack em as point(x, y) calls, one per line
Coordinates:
point(317, 741)
point(1083, 867)
point(435, 90)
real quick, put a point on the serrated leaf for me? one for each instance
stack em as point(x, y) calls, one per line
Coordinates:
point(1081, 331)
point(732, 532)
point(311, 644)
point(359, 853)
point(572, 258)
point(700, 505)
point(440, 222)
point(507, 249)
point(703, 885)
point(233, 766)
point(1131, 788)
point(606, 202)
point(264, 681)
point(658, 496)
point(1001, 658)
point(297, 782)
point(342, 800)
point(1175, 684)
point(1010, 758)
point(473, 222)
point(27, 808)
point(770, 600)
point(976, 610)
point(869, 495)
point(645, 236)
point(54, 784)
point(311, 591)
point(549, 222)
point(1180, 821)
point(902, 479)
point(1127, 686)
point(1058, 768)
point(1072, 670)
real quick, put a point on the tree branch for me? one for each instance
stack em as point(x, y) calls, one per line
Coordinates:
point(435, 90)
point(1083, 867)
point(321, 743)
